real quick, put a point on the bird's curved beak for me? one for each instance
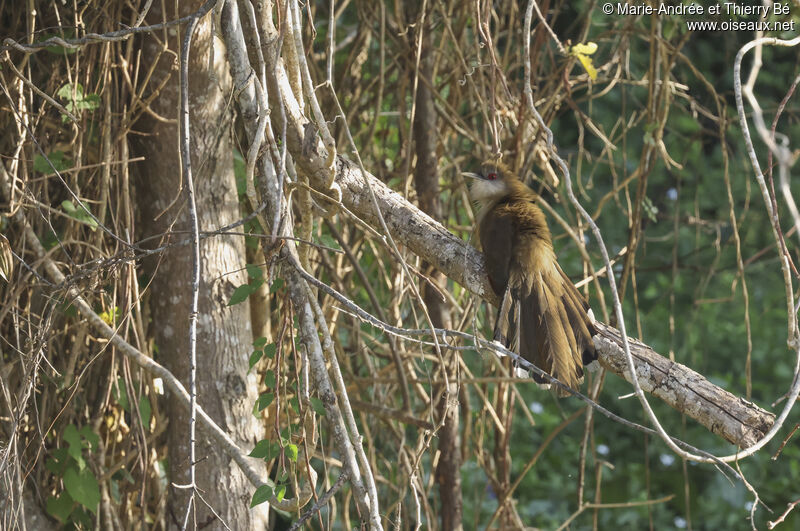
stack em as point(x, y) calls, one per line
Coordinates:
point(471, 175)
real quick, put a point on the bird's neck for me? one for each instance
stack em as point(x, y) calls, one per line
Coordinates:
point(488, 194)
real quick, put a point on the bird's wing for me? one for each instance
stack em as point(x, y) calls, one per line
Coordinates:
point(497, 240)
point(496, 235)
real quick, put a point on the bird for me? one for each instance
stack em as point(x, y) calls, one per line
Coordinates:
point(542, 316)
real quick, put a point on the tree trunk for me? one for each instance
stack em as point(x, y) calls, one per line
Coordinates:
point(426, 182)
point(225, 389)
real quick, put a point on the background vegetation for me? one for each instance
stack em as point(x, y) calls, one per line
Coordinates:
point(656, 155)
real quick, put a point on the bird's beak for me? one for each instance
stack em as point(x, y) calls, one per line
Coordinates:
point(471, 175)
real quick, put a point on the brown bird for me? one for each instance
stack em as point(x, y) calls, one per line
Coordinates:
point(542, 316)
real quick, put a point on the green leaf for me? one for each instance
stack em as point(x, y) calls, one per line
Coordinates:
point(294, 403)
point(240, 171)
point(262, 494)
point(57, 461)
point(275, 450)
point(77, 100)
point(83, 487)
point(319, 407)
point(57, 160)
point(650, 209)
point(80, 518)
point(60, 507)
point(121, 395)
point(260, 342)
point(90, 437)
point(73, 440)
point(290, 450)
point(65, 92)
point(263, 401)
point(240, 294)
point(269, 379)
point(255, 357)
point(260, 450)
point(280, 492)
point(91, 102)
point(78, 214)
point(278, 284)
point(68, 207)
point(269, 350)
point(145, 411)
point(253, 271)
point(53, 467)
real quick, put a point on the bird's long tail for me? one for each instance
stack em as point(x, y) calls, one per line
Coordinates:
point(545, 320)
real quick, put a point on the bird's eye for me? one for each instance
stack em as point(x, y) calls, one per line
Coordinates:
point(492, 176)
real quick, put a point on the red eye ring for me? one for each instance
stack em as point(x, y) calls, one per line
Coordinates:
point(492, 176)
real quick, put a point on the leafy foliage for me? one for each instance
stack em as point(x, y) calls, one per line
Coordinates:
point(81, 492)
point(76, 100)
point(643, 111)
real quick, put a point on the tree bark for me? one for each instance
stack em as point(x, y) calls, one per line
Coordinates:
point(225, 389)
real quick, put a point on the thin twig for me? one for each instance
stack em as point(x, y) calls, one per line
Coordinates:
point(323, 500)
point(186, 162)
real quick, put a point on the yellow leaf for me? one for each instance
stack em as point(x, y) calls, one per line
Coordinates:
point(586, 49)
point(587, 64)
point(582, 51)
point(109, 317)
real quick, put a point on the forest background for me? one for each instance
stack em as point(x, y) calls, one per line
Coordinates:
point(117, 208)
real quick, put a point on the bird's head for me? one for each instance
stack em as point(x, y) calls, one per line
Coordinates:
point(491, 182)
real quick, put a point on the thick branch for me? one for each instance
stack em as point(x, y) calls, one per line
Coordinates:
point(734, 419)
point(365, 495)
